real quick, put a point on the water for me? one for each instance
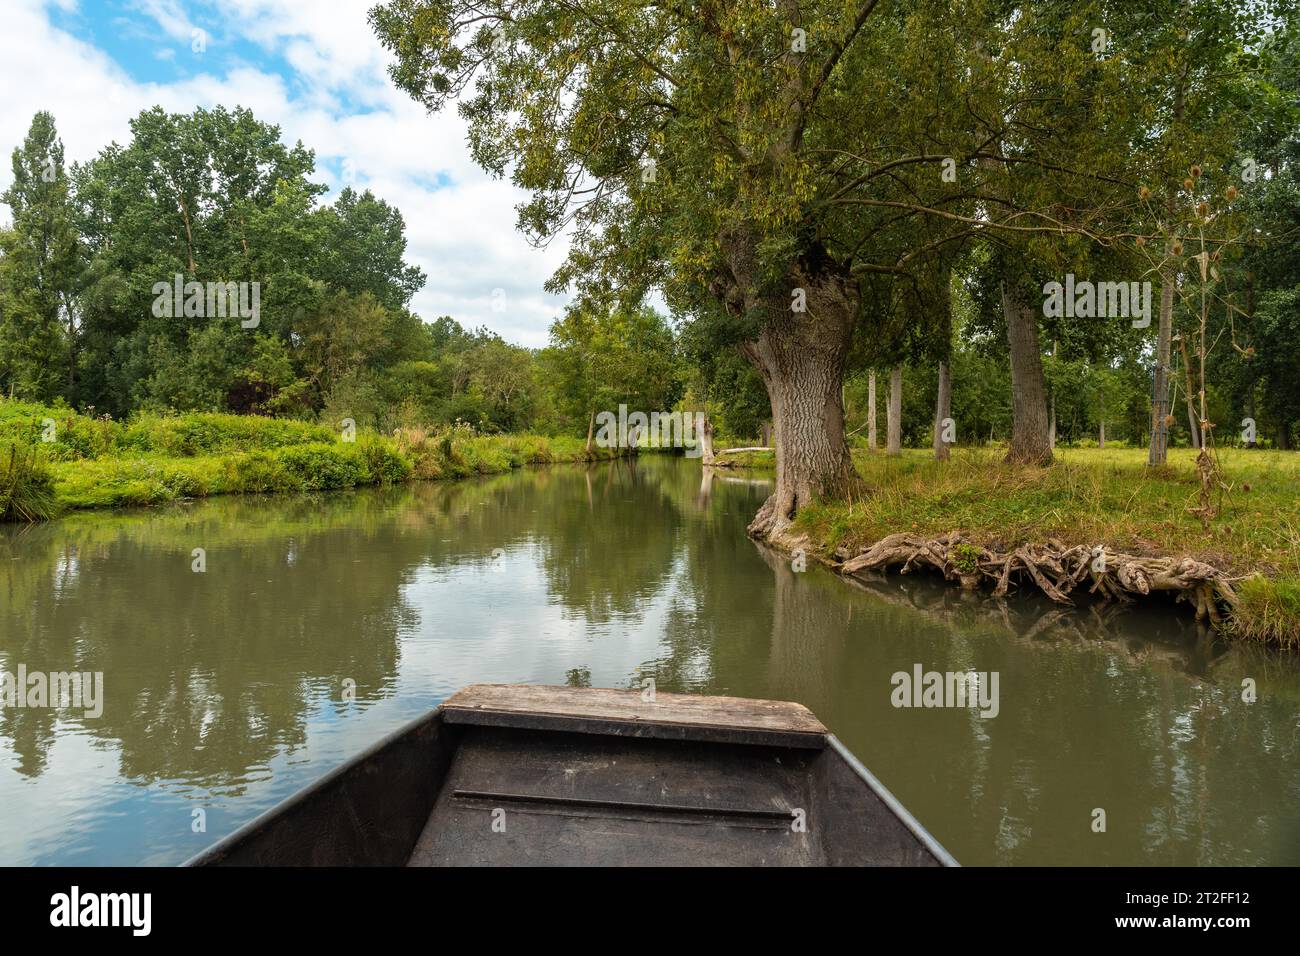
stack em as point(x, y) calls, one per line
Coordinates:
point(322, 623)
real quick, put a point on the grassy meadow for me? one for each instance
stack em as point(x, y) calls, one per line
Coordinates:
point(1091, 496)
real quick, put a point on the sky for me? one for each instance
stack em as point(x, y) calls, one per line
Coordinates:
point(314, 68)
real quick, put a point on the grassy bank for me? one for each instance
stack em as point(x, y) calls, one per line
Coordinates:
point(54, 459)
point(1093, 497)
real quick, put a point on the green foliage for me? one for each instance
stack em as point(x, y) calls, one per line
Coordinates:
point(94, 463)
point(41, 270)
point(599, 359)
point(210, 434)
point(967, 558)
point(26, 484)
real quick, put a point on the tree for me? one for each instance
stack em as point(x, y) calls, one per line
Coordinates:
point(600, 359)
point(740, 156)
point(41, 271)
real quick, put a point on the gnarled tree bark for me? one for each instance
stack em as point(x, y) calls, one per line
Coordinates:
point(800, 355)
point(1030, 438)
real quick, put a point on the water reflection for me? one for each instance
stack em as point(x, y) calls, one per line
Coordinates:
point(322, 623)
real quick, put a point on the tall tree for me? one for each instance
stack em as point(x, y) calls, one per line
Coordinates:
point(42, 267)
point(738, 154)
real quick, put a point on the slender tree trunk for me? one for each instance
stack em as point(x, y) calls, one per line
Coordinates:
point(942, 410)
point(72, 346)
point(1250, 412)
point(1030, 438)
point(1158, 453)
point(1191, 403)
point(1101, 440)
point(800, 355)
point(894, 413)
point(189, 236)
point(1051, 426)
point(871, 410)
point(591, 428)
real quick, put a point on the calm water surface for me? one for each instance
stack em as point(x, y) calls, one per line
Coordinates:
point(228, 690)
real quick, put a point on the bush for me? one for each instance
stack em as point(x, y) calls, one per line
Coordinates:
point(384, 462)
point(210, 433)
point(26, 484)
point(320, 467)
point(74, 436)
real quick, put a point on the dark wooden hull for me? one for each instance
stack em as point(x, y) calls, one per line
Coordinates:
point(513, 775)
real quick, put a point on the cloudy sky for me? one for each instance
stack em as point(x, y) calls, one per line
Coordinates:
point(314, 68)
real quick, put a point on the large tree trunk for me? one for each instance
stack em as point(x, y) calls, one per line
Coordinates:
point(871, 410)
point(894, 413)
point(942, 410)
point(800, 356)
point(1030, 440)
point(1284, 436)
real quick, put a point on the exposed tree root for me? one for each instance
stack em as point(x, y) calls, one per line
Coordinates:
point(1054, 569)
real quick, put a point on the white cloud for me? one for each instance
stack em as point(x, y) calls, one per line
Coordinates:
point(338, 102)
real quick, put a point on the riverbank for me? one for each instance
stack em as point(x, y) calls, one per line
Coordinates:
point(55, 460)
point(971, 516)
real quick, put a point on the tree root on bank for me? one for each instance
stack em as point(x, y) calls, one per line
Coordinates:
point(1054, 569)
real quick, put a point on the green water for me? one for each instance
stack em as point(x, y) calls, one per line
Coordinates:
point(322, 623)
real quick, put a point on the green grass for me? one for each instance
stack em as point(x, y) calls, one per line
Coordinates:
point(1093, 496)
point(64, 460)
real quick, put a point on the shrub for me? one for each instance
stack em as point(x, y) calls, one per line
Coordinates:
point(26, 484)
point(210, 433)
point(319, 467)
point(384, 462)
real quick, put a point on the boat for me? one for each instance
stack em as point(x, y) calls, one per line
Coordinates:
point(511, 774)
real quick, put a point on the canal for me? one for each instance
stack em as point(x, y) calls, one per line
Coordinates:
point(318, 624)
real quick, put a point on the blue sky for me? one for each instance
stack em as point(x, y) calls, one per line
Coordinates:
point(314, 68)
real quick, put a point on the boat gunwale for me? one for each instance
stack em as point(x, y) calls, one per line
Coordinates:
point(892, 803)
point(213, 852)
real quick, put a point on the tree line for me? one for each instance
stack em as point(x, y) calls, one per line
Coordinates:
point(215, 196)
point(854, 212)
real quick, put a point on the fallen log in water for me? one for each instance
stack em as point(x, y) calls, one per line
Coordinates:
point(1058, 571)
